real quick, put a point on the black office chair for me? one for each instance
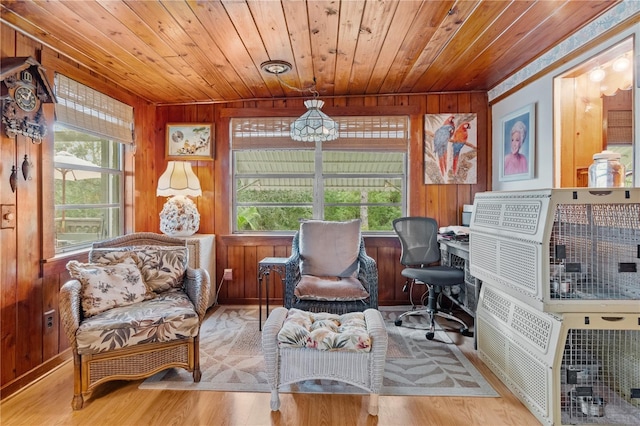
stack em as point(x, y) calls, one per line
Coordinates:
point(420, 251)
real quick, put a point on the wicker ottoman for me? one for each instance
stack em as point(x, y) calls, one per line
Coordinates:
point(286, 365)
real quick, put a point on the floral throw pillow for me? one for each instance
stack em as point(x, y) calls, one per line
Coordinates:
point(162, 267)
point(111, 256)
point(106, 287)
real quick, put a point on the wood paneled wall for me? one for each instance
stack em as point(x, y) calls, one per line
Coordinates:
point(31, 275)
point(580, 125)
point(242, 253)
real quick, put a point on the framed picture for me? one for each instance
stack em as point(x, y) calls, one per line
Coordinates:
point(517, 147)
point(450, 148)
point(189, 141)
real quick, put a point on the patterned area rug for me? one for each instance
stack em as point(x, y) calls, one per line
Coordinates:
point(231, 360)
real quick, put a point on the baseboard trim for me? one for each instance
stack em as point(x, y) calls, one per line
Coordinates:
point(35, 375)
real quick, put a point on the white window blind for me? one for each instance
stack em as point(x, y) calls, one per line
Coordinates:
point(85, 109)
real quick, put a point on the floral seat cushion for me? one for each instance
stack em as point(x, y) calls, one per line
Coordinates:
point(167, 317)
point(324, 331)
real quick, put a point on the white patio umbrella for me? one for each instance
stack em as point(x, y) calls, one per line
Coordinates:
point(69, 167)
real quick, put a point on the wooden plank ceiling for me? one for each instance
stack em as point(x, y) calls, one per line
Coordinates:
point(171, 52)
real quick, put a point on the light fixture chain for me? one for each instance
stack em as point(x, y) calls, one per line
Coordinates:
point(311, 89)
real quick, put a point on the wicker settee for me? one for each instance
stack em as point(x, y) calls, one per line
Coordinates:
point(120, 330)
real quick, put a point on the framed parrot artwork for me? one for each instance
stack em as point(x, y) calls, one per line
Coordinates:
point(450, 148)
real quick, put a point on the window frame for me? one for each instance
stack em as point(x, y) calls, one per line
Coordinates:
point(85, 110)
point(319, 178)
point(120, 205)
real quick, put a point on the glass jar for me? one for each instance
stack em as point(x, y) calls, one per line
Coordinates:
point(606, 170)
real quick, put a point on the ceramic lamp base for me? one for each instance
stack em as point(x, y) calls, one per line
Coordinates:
point(179, 217)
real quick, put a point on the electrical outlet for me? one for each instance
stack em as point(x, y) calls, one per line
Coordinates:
point(228, 275)
point(49, 319)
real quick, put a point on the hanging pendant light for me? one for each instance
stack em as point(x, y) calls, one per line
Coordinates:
point(314, 125)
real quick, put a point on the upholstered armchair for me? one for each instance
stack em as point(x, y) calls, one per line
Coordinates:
point(329, 269)
point(134, 310)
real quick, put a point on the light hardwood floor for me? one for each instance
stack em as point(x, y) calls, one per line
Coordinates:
point(48, 402)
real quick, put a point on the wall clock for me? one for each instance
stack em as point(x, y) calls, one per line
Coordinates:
point(25, 98)
point(24, 89)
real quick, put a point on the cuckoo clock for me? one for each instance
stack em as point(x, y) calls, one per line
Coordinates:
point(24, 89)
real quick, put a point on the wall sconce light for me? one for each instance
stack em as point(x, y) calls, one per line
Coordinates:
point(596, 75)
point(179, 216)
point(314, 125)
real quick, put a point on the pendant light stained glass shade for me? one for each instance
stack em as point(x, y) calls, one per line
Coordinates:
point(314, 125)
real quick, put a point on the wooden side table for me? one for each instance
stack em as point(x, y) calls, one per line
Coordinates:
point(265, 267)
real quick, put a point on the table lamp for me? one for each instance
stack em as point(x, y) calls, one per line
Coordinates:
point(179, 216)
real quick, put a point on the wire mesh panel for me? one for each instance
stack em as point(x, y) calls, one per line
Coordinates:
point(600, 377)
point(464, 295)
point(560, 250)
point(595, 251)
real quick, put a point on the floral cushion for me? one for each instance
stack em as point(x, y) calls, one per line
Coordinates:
point(167, 317)
point(162, 267)
point(324, 331)
point(106, 287)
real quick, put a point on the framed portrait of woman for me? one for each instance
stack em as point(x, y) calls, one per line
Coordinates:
point(517, 149)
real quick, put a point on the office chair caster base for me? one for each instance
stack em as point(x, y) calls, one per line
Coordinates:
point(465, 332)
point(398, 322)
point(430, 335)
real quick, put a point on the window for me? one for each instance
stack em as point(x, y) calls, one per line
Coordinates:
point(278, 181)
point(89, 141)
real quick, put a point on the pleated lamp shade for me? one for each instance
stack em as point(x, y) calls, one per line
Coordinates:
point(179, 179)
